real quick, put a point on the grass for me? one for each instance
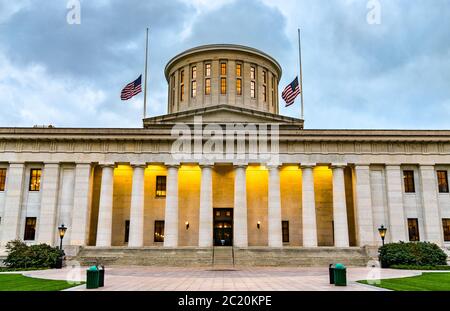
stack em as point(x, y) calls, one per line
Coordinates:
point(6, 269)
point(18, 282)
point(428, 281)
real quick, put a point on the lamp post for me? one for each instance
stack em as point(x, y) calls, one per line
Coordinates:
point(62, 231)
point(382, 230)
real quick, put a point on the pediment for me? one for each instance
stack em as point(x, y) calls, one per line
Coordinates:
point(223, 114)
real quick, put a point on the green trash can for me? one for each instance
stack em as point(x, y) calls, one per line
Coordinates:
point(101, 277)
point(340, 275)
point(92, 278)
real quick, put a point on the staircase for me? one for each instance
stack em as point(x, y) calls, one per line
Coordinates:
point(223, 258)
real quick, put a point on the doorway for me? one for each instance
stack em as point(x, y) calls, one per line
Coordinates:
point(223, 227)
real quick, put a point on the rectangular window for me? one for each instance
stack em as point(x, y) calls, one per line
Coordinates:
point(446, 226)
point(223, 86)
point(253, 89)
point(207, 70)
point(264, 77)
point(238, 70)
point(208, 86)
point(408, 177)
point(35, 179)
point(159, 231)
point(127, 231)
point(223, 69)
point(173, 90)
point(239, 86)
point(265, 93)
point(30, 229)
point(285, 230)
point(2, 179)
point(413, 229)
point(161, 182)
point(442, 181)
point(252, 73)
point(194, 72)
point(273, 91)
point(182, 85)
point(194, 89)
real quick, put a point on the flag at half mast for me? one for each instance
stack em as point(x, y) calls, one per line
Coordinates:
point(132, 89)
point(291, 92)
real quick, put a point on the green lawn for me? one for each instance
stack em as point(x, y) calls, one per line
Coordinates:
point(428, 281)
point(18, 282)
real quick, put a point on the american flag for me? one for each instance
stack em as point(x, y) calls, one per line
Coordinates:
point(132, 89)
point(291, 92)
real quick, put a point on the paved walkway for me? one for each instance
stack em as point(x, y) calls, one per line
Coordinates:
point(205, 279)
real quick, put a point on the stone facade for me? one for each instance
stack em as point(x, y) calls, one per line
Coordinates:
point(333, 188)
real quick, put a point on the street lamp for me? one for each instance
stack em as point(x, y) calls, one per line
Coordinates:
point(62, 231)
point(382, 230)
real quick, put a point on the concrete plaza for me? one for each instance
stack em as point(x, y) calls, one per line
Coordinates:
point(206, 279)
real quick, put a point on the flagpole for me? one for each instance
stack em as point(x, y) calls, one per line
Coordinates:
point(302, 115)
point(145, 79)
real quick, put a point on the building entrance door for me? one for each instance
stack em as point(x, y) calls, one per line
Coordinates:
point(223, 227)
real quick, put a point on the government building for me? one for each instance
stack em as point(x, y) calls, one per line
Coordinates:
point(223, 178)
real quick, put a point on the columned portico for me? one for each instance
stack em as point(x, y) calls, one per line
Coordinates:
point(274, 210)
point(205, 238)
point(136, 235)
point(240, 234)
point(341, 238)
point(171, 211)
point(308, 206)
point(105, 212)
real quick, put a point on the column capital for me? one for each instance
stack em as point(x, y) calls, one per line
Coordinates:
point(206, 164)
point(240, 165)
point(338, 166)
point(51, 164)
point(107, 164)
point(362, 166)
point(392, 166)
point(138, 165)
point(16, 164)
point(308, 165)
point(427, 166)
point(83, 163)
point(172, 164)
point(273, 166)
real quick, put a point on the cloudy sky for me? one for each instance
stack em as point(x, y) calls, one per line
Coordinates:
point(395, 74)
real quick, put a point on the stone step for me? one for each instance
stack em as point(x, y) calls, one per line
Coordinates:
point(223, 258)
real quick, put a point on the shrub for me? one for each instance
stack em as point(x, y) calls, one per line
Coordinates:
point(412, 253)
point(22, 256)
point(410, 267)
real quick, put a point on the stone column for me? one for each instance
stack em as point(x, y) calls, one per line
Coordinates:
point(396, 211)
point(136, 237)
point(430, 205)
point(240, 233)
point(308, 207)
point(363, 206)
point(339, 207)
point(205, 238)
point(13, 201)
point(105, 209)
point(171, 213)
point(47, 226)
point(274, 210)
point(81, 202)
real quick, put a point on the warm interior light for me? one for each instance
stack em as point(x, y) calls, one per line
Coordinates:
point(187, 225)
point(258, 225)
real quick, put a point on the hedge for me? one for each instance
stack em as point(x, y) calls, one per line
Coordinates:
point(22, 256)
point(412, 253)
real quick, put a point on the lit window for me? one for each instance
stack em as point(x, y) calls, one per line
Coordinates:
point(30, 229)
point(223, 86)
point(161, 186)
point(223, 69)
point(194, 72)
point(239, 87)
point(408, 178)
point(35, 180)
point(207, 70)
point(2, 179)
point(208, 86)
point(238, 70)
point(252, 73)
point(446, 227)
point(443, 181)
point(159, 231)
point(194, 89)
point(253, 89)
point(413, 229)
point(285, 230)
